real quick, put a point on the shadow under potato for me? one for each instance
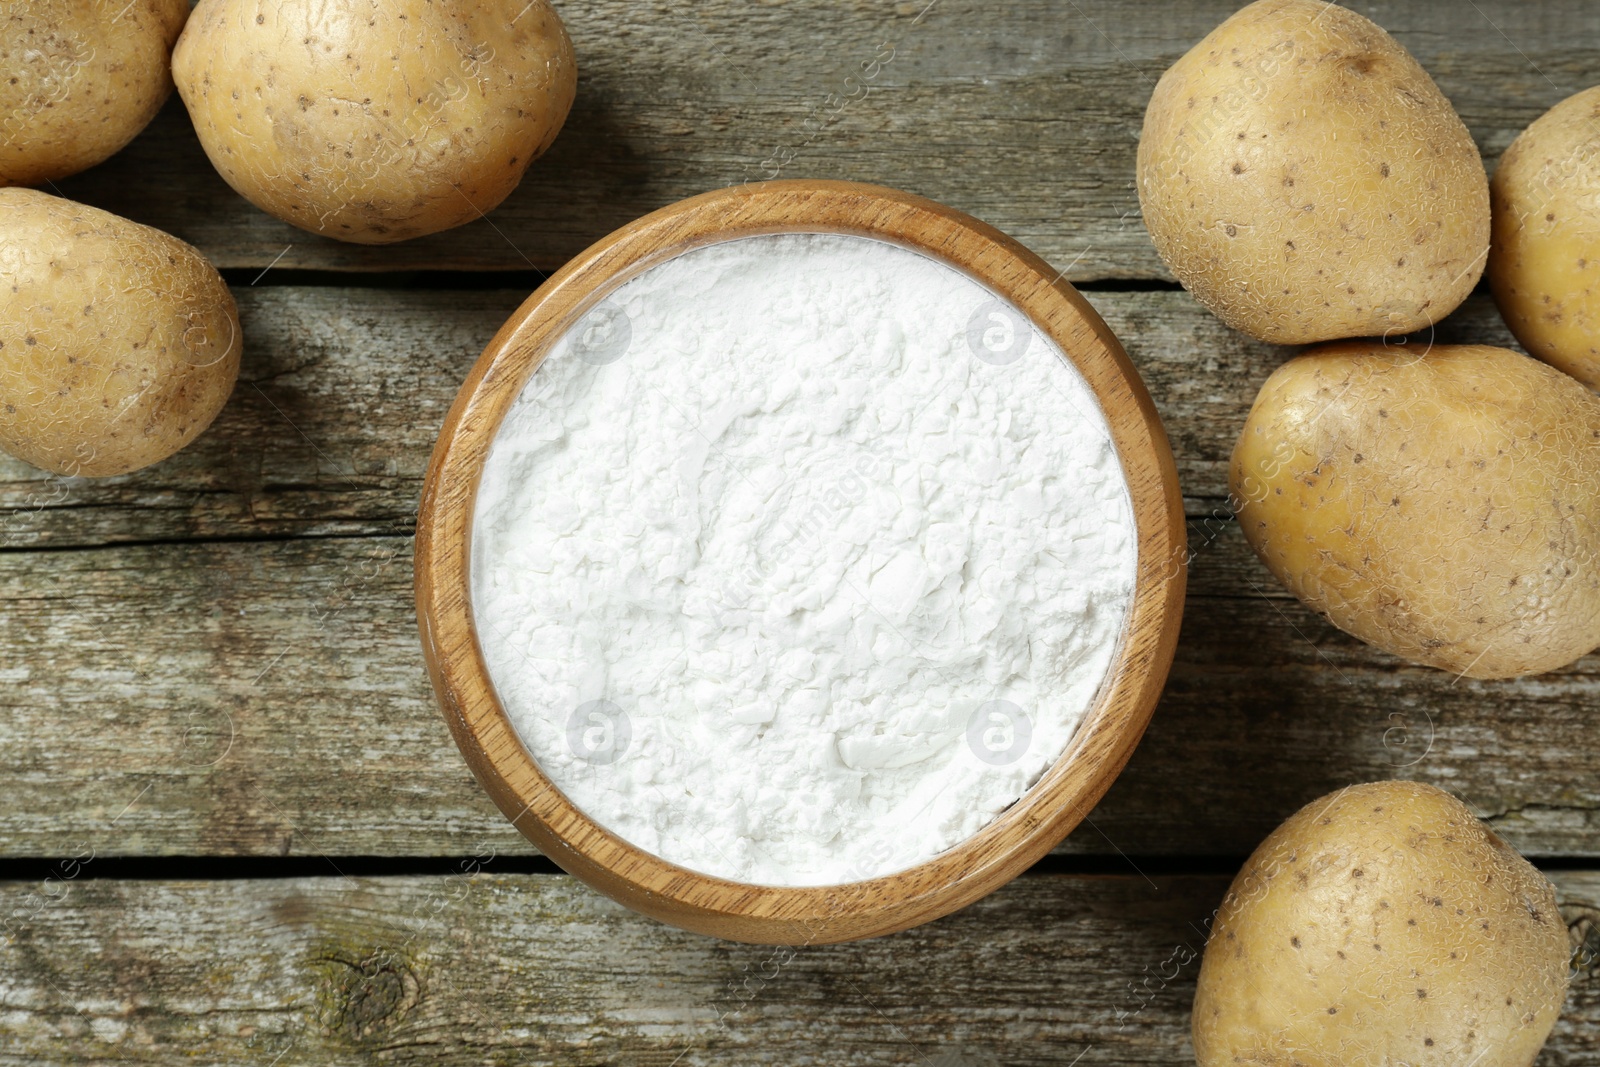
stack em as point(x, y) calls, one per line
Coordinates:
point(590, 182)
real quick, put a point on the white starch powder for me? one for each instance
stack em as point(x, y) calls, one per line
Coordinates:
point(800, 559)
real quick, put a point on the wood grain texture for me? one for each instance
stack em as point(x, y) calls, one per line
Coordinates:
point(132, 667)
point(537, 969)
point(343, 391)
point(1025, 115)
point(270, 697)
point(328, 431)
point(1018, 837)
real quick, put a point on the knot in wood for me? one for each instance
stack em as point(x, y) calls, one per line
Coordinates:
point(370, 996)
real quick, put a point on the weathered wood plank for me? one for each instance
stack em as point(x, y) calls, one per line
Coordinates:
point(493, 969)
point(270, 697)
point(1025, 114)
point(328, 431)
point(343, 391)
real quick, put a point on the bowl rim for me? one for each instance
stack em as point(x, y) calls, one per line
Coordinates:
point(1019, 836)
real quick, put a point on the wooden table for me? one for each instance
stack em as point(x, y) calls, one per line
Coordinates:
point(235, 829)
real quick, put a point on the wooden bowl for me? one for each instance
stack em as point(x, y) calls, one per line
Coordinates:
point(1020, 835)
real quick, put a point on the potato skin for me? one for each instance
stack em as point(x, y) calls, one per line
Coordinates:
point(1441, 504)
point(82, 80)
point(1382, 924)
point(1543, 263)
point(1305, 179)
point(118, 343)
point(375, 121)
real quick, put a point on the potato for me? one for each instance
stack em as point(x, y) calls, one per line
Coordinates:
point(1543, 264)
point(1305, 179)
point(375, 120)
point(1443, 506)
point(1382, 924)
point(81, 80)
point(118, 343)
